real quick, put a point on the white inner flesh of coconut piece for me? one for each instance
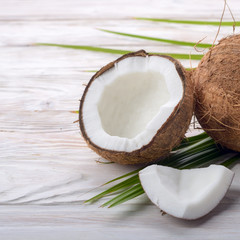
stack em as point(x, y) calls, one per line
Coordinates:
point(126, 106)
point(188, 194)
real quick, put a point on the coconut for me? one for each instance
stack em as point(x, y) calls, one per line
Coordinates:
point(137, 108)
point(217, 92)
point(188, 193)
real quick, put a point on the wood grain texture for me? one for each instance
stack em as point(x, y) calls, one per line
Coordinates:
point(46, 169)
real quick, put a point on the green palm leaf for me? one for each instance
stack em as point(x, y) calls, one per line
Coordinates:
point(213, 23)
point(127, 195)
point(197, 151)
point(176, 42)
point(118, 51)
point(125, 184)
point(88, 48)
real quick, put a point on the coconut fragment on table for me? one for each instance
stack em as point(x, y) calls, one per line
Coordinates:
point(188, 193)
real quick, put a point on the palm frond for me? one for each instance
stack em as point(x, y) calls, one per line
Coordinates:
point(175, 42)
point(118, 51)
point(88, 48)
point(213, 23)
point(193, 152)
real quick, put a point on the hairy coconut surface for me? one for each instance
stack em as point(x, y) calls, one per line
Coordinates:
point(217, 92)
point(171, 131)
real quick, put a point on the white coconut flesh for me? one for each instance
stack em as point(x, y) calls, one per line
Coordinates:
point(188, 194)
point(125, 106)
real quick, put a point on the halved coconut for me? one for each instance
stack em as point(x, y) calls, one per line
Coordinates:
point(137, 108)
point(188, 194)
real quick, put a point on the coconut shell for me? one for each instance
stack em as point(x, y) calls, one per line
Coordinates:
point(167, 137)
point(217, 92)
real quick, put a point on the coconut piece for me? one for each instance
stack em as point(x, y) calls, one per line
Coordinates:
point(217, 92)
point(137, 108)
point(187, 194)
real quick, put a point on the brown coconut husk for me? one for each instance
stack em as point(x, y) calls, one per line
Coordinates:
point(168, 136)
point(217, 92)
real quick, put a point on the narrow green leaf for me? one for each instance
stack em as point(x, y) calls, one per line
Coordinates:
point(123, 176)
point(90, 71)
point(182, 43)
point(89, 48)
point(190, 158)
point(213, 23)
point(189, 150)
point(127, 183)
point(118, 51)
point(127, 195)
point(229, 162)
point(200, 160)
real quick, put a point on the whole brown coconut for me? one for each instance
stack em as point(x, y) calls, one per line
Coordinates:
point(166, 137)
point(217, 92)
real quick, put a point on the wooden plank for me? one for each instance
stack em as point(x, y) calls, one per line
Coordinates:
point(128, 221)
point(95, 9)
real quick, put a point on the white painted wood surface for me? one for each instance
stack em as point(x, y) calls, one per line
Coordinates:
point(46, 169)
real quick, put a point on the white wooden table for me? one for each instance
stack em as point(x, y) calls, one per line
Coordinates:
point(45, 166)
